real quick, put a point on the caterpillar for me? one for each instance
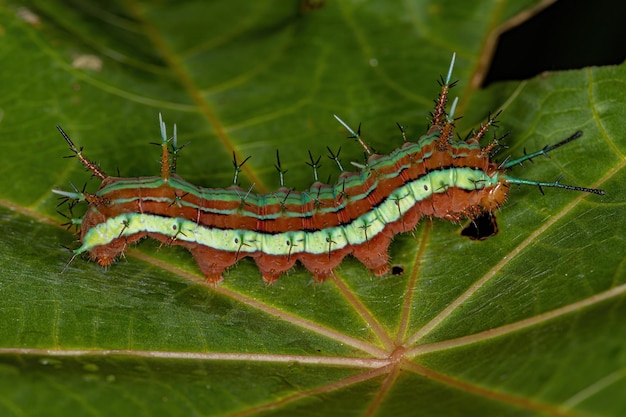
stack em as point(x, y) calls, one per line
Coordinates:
point(359, 215)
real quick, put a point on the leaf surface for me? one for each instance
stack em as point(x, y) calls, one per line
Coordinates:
point(529, 322)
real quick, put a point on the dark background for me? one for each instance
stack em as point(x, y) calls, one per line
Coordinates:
point(569, 34)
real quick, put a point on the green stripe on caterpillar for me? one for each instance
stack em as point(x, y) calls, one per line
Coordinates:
point(359, 214)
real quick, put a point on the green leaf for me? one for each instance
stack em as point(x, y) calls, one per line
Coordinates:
point(529, 322)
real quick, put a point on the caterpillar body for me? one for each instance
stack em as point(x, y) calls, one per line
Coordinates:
point(359, 215)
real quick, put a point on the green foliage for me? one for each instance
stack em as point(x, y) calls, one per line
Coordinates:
point(529, 322)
